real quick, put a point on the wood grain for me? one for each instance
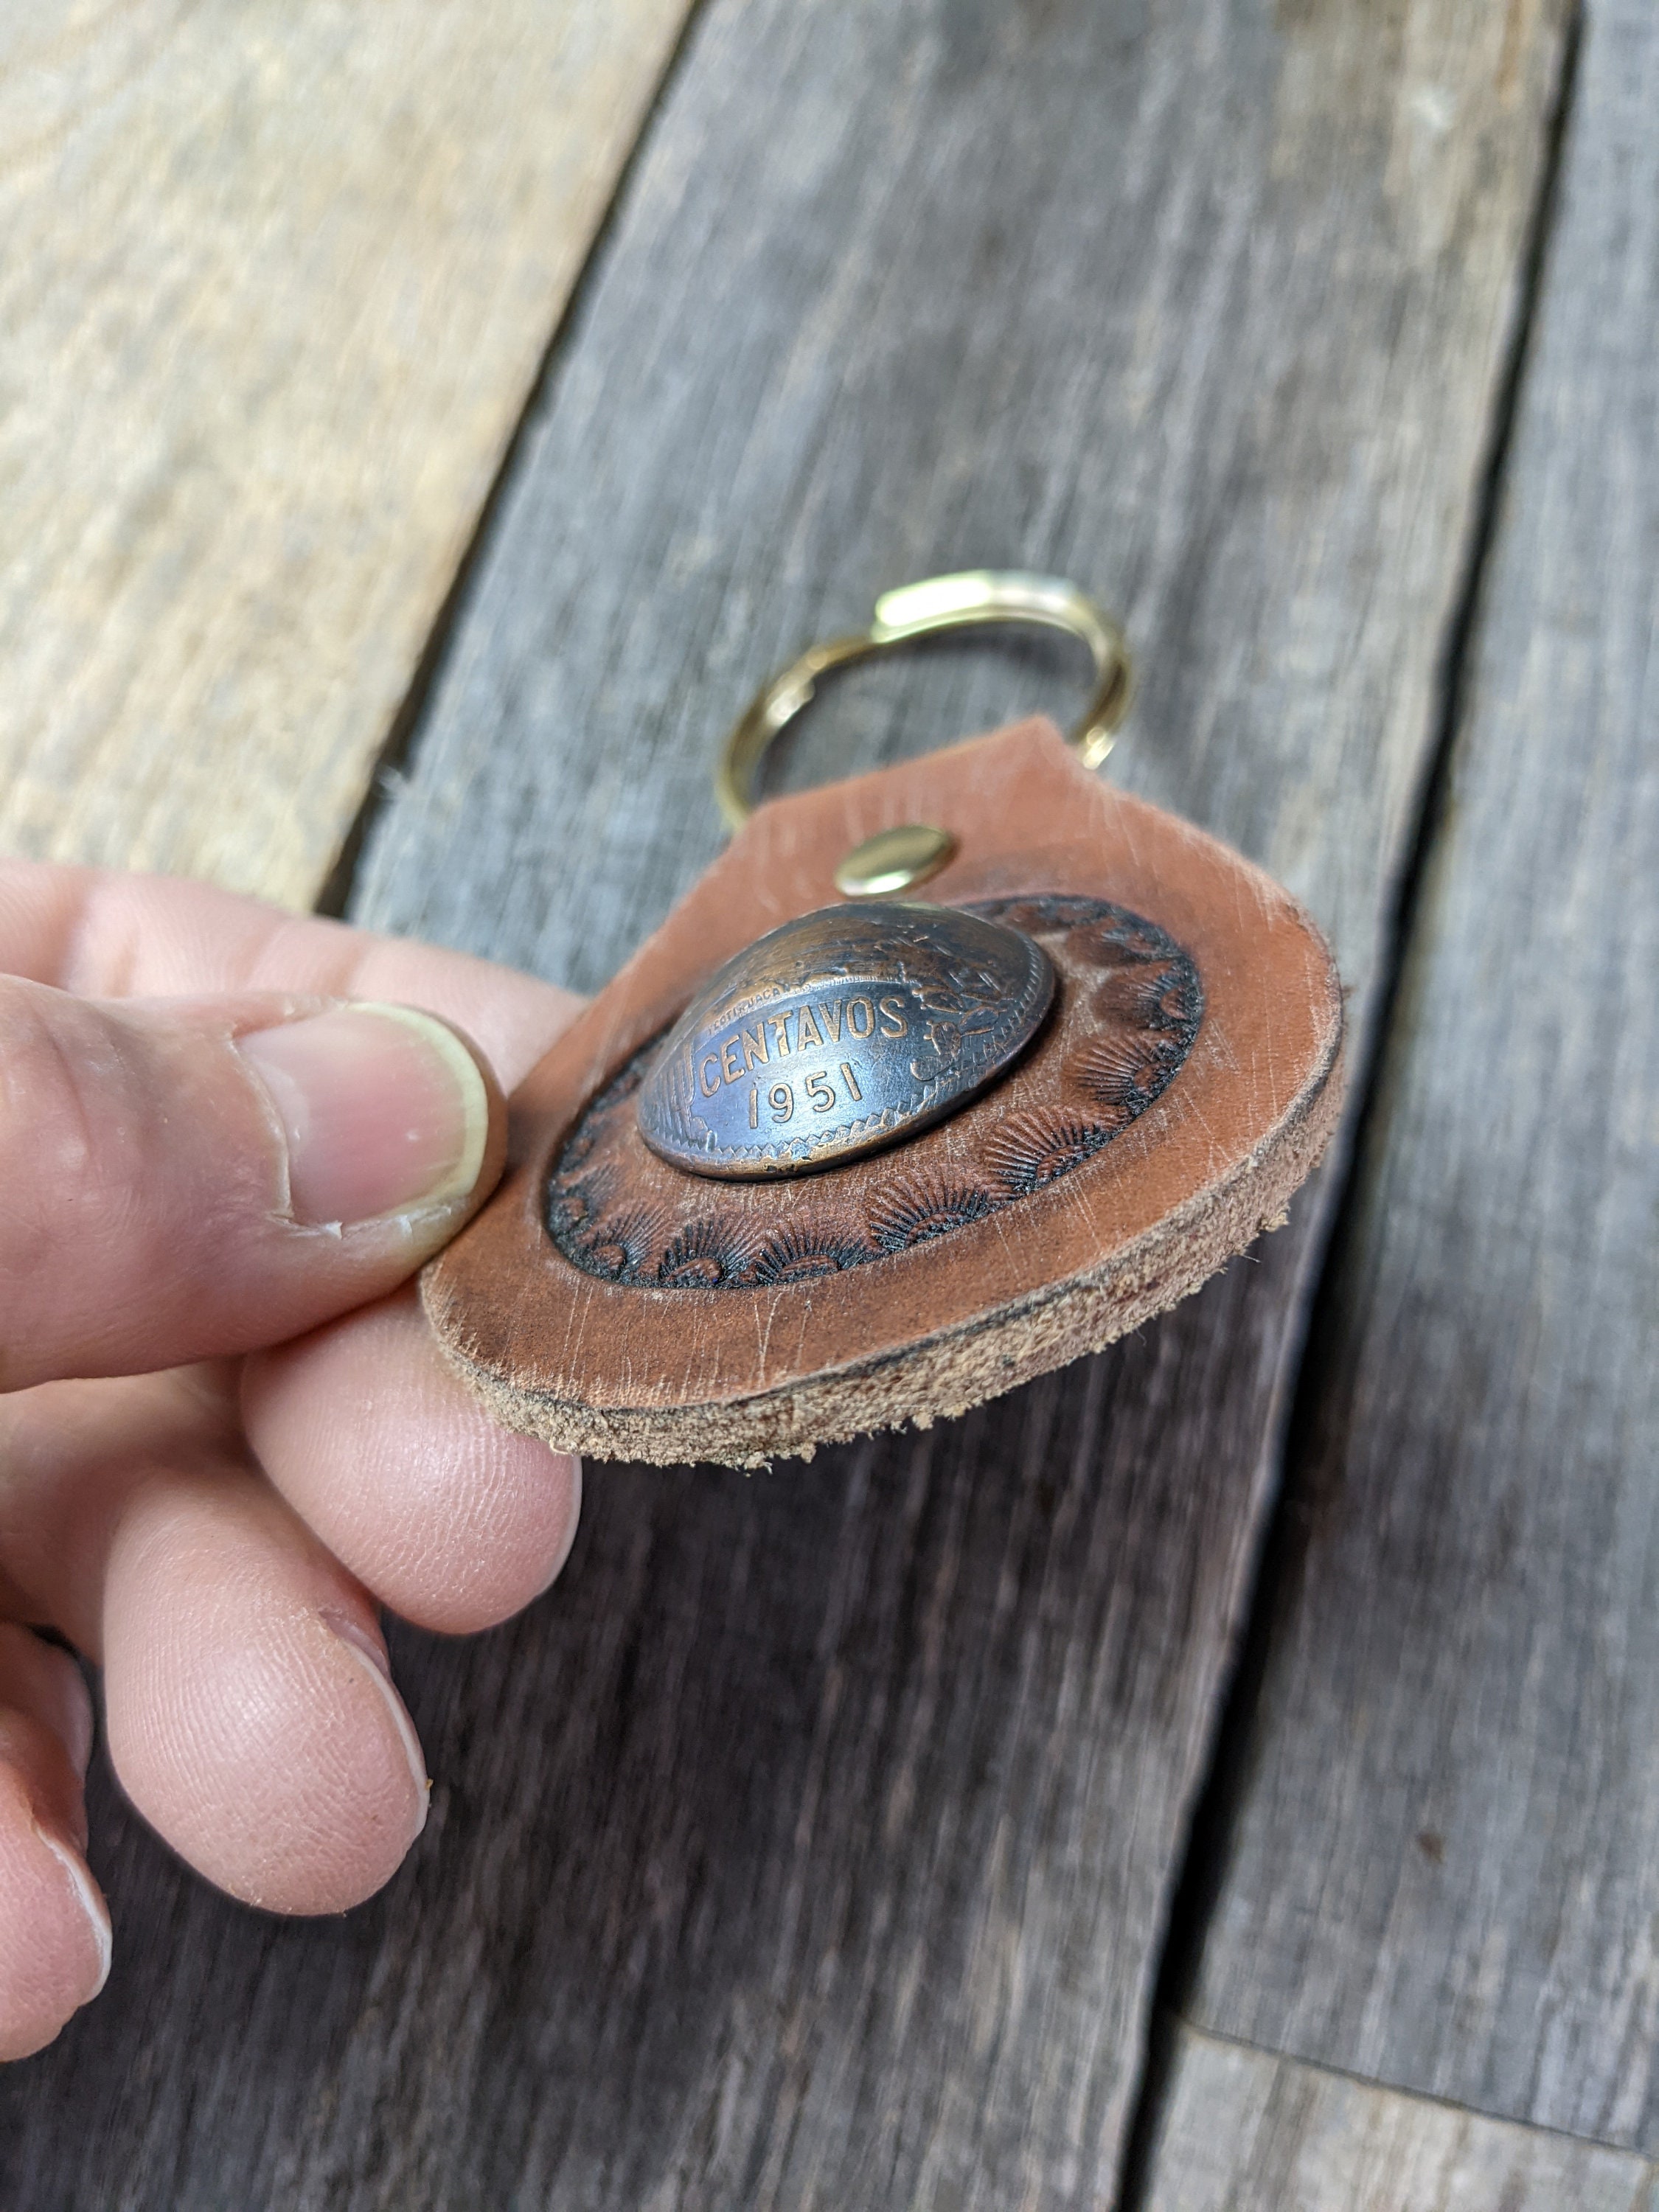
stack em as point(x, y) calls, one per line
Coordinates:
point(1446, 1873)
point(810, 1846)
point(1201, 309)
point(276, 280)
point(1246, 2131)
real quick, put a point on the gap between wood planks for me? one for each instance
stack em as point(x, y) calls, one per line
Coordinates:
point(1210, 1828)
point(1210, 1836)
point(341, 879)
point(271, 307)
point(384, 2101)
point(1250, 2131)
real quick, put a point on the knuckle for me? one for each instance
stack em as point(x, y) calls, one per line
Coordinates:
point(67, 1100)
point(75, 1128)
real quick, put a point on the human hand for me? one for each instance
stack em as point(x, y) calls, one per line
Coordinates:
point(209, 1202)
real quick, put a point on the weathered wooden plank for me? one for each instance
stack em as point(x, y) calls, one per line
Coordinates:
point(276, 280)
point(808, 1846)
point(1246, 2131)
point(1196, 306)
point(1445, 1873)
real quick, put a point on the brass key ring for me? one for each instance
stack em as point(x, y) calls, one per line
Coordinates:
point(966, 601)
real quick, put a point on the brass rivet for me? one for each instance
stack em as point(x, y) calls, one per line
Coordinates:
point(893, 861)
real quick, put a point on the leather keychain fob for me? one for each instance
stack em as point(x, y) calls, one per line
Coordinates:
point(824, 1158)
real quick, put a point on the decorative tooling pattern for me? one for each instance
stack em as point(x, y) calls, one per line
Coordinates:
point(1129, 1003)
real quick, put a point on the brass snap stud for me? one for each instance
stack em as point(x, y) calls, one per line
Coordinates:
point(893, 861)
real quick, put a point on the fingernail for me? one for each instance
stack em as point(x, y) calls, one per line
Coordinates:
point(370, 1657)
point(384, 1110)
point(87, 1897)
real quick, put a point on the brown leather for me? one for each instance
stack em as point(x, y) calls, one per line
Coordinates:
point(1119, 1164)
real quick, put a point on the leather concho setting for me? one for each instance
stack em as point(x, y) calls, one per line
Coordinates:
point(1128, 1004)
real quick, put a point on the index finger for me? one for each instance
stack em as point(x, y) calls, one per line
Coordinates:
point(103, 934)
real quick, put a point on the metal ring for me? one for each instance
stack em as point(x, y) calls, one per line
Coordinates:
point(938, 603)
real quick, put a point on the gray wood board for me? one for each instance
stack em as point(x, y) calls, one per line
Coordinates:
point(810, 1843)
point(1247, 2131)
point(1447, 1863)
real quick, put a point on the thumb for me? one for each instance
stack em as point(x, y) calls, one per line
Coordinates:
point(188, 1177)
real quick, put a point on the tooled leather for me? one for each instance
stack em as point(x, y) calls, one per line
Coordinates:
point(534, 1326)
point(1129, 1001)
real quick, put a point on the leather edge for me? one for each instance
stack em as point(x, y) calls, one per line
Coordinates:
point(939, 1377)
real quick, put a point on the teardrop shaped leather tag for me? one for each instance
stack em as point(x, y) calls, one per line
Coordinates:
point(628, 1299)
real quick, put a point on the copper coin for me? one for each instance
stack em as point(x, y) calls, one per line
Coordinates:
point(843, 1031)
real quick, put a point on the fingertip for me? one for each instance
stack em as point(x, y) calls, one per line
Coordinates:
point(452, 1521)
point(388, 1115)
point(187, 1179)
point(251, 1715)
point(90, 1912)
point(368, 1652)
point(55, 1938)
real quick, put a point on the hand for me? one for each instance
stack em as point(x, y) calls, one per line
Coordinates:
point(211, 1201)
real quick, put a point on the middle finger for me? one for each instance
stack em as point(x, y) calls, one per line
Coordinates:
point(450, 1519)
point(251, 1714)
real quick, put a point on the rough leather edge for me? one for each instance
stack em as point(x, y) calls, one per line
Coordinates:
point(939, 1377)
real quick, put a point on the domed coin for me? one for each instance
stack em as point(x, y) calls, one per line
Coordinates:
point(842, 1031)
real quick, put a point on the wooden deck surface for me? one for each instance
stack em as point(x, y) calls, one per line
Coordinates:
point(906, 1830)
